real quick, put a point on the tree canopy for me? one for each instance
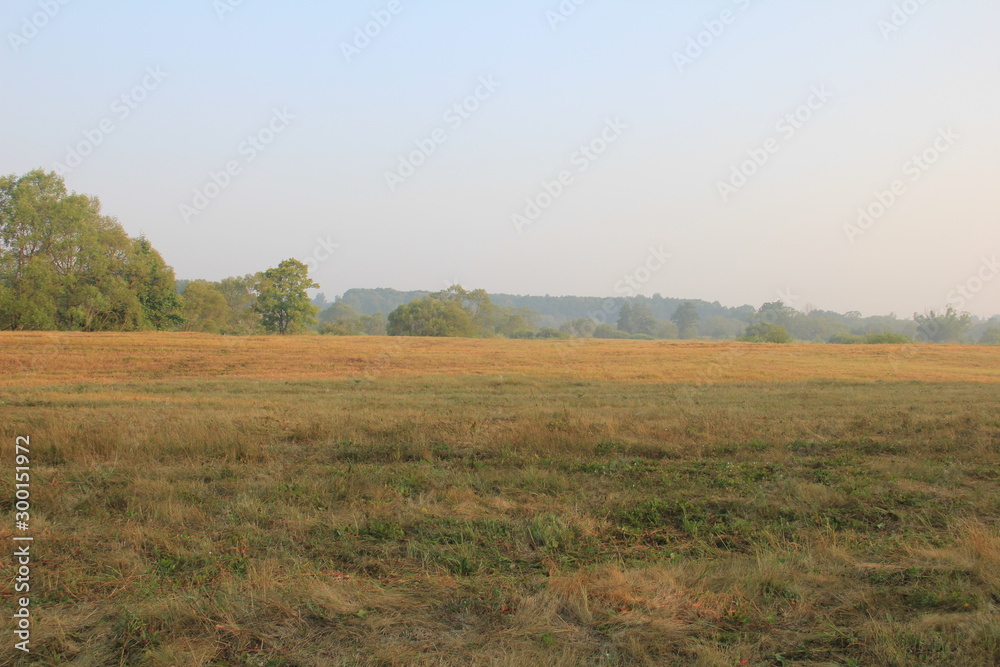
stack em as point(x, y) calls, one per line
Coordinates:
point(431, 316)
point(282, 300)
point(947, 327)
point(687, 319)
point(64, 265)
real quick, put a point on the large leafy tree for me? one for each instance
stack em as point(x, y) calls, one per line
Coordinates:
point(459, 312)
point(776, 312)
point(485, 316)
point(687, 320)
point(991, 336)
point(342, 320)
point(154, 285)
point(64, 265)
point(240, 293)
point(947, 327)
point(205, 309)
point(282, 301)
point(432, 316)
point(766, 332)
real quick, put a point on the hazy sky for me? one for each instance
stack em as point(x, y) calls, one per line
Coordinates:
point(139, 103)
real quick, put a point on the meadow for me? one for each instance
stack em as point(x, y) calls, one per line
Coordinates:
point(202, 500)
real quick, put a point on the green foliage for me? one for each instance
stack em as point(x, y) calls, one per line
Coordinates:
point(342, 320)
point(665, 330)
point(459, 312)
point(204, 307)
point(605, 330)
point(65, 266)
point(635, 318)
point(766, 332)
point(154, 284)
point(846, 339)
point(948, 327)
point(282, 301)
point(380, 300)
point(885, 338)
point(431, 316)
point(687, 319)
point(581, 327)
point(240, 293)
point(338, 312)
point(991, 336)
point(545, 333)
point(579, 316)
point(776, 312)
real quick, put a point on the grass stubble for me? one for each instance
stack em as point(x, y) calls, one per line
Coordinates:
point(202, 500)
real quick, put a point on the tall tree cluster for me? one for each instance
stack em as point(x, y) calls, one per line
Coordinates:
point(66, 266)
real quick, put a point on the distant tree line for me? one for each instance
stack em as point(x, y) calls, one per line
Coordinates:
point(646, 318)
point(66, 266)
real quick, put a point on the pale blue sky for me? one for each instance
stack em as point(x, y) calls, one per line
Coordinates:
point(323, 177)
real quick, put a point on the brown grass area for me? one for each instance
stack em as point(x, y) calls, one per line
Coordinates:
point(38, 358)
point(327, 501)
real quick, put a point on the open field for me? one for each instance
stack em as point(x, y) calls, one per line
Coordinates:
point(369, 501)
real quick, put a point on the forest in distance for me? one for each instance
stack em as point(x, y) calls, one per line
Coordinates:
point(66, 266)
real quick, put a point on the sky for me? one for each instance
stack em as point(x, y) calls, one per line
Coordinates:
point(834, 155)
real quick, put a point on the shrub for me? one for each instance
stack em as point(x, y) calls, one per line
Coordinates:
point(846, 339)
point(766, 332)
point(887, 338)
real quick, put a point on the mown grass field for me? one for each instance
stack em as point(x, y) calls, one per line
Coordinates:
point(368, 501)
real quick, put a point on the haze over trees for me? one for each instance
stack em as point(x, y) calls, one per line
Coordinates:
point(686, 318)
point(64, 265)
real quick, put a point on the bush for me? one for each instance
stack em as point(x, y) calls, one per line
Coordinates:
point(766, 332)
point(548, 332)
point(846, 339)
point(887, 338)
point(991, 336)
point(607, 331)
point(542, 334)
point(523, 334)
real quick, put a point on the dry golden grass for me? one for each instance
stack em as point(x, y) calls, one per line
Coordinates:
point(40, 358)
point(361, 501)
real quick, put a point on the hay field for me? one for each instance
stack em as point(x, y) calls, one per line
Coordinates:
point(202, 500)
